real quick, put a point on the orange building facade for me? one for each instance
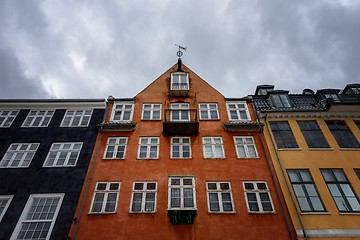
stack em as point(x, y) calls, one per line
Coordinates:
point(180, 161)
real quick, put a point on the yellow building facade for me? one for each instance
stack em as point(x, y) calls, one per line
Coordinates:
point(313, 140)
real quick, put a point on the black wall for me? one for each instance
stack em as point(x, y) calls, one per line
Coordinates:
point(21, 182)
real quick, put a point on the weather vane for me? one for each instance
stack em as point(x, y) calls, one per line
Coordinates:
point(180, 53)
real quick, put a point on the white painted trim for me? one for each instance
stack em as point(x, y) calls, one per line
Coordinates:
point(53, 105)
point(143, 200)
point(321, 233)
point(181, 145)
point(122, 103)
point(73, 116)
point(9, 197)
point(26, 210)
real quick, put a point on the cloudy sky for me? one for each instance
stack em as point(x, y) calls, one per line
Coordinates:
point(94, 48)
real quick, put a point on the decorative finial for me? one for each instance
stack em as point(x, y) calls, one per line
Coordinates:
point(180, 53)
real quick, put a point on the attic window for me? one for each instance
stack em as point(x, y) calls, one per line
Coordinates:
point(263, 91)
point(353, 90)
point(332, 96)
point(280, 100)
point(179, 81)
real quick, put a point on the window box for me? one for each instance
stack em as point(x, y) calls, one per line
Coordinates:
point(182, 216)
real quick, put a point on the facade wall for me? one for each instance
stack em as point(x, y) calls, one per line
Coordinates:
point(125, 225)
point(330, 223)
point(36, 179)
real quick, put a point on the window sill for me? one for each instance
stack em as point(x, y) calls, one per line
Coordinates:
point(150, 213)
point(101, 213)
point(151, 120)
point(315, 213)
point(247, 158)
point(214, 158)
point(209, 119)
point(349, 213)
point(147, 158)
point(262, 213)
point(74, 126)
point(108, 159)
point(349, 149)
point(320, 149)
point(58, 166)
point(289, 149)
point(220, 213)
point(190, 158)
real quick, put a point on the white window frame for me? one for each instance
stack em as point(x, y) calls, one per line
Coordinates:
point(213, 144)
point(245, 145)
point(184, 112)
point(26, 210)
point(35, 114)
point(144, 193)
point(181, 145)
point(19, 151)
point(238, 111)
point(154, 107)
point(257, 192)
point(207, 109)
point(106, 193)
point(124, 108)
point(182, 186)
point(219, 192)
point(8, 117)
point(61, 150)
point(176, 80)
point(84, 116)
point(116, 146)
point(8, 199)
point(149, 144)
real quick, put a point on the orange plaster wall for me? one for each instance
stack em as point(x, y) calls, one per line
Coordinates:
point(125, 225)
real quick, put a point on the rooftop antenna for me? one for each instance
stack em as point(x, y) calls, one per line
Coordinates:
point(179, 54)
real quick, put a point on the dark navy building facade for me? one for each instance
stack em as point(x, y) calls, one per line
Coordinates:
point(45, 151)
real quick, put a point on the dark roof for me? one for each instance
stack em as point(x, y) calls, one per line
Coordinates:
point(298, 102)
point(308, 102)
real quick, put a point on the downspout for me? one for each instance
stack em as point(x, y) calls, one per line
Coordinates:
point(286, 182)
point(273, 177)
point(90, 176)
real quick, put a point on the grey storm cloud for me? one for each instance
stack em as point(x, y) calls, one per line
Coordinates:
point(91, 49)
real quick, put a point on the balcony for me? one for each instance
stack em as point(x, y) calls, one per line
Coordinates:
point(180, 122)
point(241, 126)
point(180, 91)
point(117, 126)
point(182, 216)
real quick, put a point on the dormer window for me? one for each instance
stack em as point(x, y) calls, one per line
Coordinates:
point(263, 91)
point(334, 97)
point(280, 100)
point(353, 90)
point(179, 81)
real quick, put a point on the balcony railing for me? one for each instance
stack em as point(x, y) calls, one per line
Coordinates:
point(180, 90)
point(243, 126)
point(181, 122)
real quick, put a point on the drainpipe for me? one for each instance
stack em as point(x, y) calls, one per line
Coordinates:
point(286, 182)
point(277, 190)
point(77, 220)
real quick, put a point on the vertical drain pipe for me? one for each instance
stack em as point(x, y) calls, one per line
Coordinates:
point(90, 176)
point(273, 177)
point(288, 224)
point(287, 185)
